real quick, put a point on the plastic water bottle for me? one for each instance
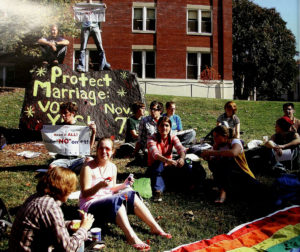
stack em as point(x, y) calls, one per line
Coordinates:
point(130, 177)
point(189, 163)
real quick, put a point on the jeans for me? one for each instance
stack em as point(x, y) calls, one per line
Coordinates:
point(49, 55)
point(85, 34)
point(157, 181)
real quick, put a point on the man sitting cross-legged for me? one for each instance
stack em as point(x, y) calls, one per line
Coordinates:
point(68, 111)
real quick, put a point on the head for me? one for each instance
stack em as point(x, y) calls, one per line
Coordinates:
point(138, 109)
point(171, 107)
point(105, 150)
point(68, 111)
point(230, 108)
point(164, 126)
point(222, 134)
point(54, 30)
point(288, 110)
point(58, 182)
point(156, 109)
point(283, 124)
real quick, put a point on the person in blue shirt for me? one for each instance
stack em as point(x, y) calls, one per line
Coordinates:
point(89, 28)
point(186, 137)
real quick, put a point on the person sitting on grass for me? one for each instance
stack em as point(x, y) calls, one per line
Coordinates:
point(228, 164)
point(285, 141)
point(160, 146)
point(104, 198)
point(148, 125)
point(186, 138)
point(230, 119)
point(68, 111)
point(39, 223)
point(289, 110)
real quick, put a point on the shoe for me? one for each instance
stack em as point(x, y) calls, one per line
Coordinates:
point(141, 247)
point(165, 235)
point(157, 196)
point(55, 63)
point(80, 70)
point(107, 68)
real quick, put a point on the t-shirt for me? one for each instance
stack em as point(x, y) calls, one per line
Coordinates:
point(176, 122)
point(232, 121)
point(131, 124)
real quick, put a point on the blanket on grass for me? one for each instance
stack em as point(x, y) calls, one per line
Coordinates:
point(279, 231)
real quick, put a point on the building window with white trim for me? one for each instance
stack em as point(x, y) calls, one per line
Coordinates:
point(196, 63)
point(143, 64)
point(144, 19)
point(199, 21)
point(92, 60)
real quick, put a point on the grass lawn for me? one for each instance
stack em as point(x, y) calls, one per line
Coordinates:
point(19, 178)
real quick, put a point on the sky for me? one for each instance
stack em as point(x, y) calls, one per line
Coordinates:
point(289, 11)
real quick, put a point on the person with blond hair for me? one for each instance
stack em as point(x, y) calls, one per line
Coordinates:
point(107, 200)
point(230, 119)
point(40, 225)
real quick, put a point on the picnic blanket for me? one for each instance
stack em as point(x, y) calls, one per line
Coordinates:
point(279, 231)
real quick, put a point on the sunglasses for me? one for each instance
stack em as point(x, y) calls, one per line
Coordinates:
point(155, 109)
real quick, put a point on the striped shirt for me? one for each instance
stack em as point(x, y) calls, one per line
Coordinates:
point(40, 225)
point(163, 148)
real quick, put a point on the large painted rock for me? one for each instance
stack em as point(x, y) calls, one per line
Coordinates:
point(103, 97)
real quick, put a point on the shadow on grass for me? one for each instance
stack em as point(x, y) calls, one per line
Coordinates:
point(20, 135)
point(24, 168)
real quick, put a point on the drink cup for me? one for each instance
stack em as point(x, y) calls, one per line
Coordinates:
point(96, 234)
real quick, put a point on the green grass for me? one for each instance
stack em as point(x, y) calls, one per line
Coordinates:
point(18, 176)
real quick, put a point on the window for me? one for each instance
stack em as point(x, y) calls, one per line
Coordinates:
point(199, 21)
point(196, 63)
point(7, 75)
point(143, 64)
point(144, 19)
point(91, 59)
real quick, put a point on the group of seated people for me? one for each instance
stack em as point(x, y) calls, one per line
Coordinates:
point(40, 222)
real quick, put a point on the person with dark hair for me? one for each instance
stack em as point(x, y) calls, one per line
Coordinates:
point(285, 145)
point(40, 224)
point(160, 146)
point(186, 137)
point(68, 112)
point(148, 125)
point(228, 164)
point(54, 48)
point(289, 110)
point(107, 200)
point(132, 129)
point(230, 119)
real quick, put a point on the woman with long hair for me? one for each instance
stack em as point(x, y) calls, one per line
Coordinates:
point(160, 146)
point(228, 163)
point(103, 197)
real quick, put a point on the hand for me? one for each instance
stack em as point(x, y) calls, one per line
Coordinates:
point(278, 150)
point(87, 221)
point(53, 46)
point(180, 162)
point(129, 181)
point(171, 162)
point(206, 154)
point(93, 127)
point(103, 184)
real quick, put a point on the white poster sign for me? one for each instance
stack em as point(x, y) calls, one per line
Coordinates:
point(93, 12)
point(67, 140)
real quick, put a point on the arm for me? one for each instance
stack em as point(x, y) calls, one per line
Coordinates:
point(63, 42)
point(233, 152)
point(237, 130)
point(43, 41)
point(180, 150)
point(179, 124)
point(55, 221)
point(292, 143)
point(87, 189)
point(134, 134)
point(93, 136)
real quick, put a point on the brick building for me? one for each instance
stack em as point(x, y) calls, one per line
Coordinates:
point(167, 43)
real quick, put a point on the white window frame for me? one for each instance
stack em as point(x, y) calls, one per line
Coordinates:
point(144, 6)
point(144, 61)
point(199, 54)
point(199, 9)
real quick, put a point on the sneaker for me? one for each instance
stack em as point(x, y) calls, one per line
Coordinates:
point(107, 68)
point(157, 196)
point(80, 70)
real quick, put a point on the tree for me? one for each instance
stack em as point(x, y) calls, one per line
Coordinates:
point(23, 22)
point(263, 52)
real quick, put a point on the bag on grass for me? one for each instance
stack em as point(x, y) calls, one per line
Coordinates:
point(143, 187)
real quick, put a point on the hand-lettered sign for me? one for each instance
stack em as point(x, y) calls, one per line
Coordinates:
point(101, 96)
point(67, 140)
